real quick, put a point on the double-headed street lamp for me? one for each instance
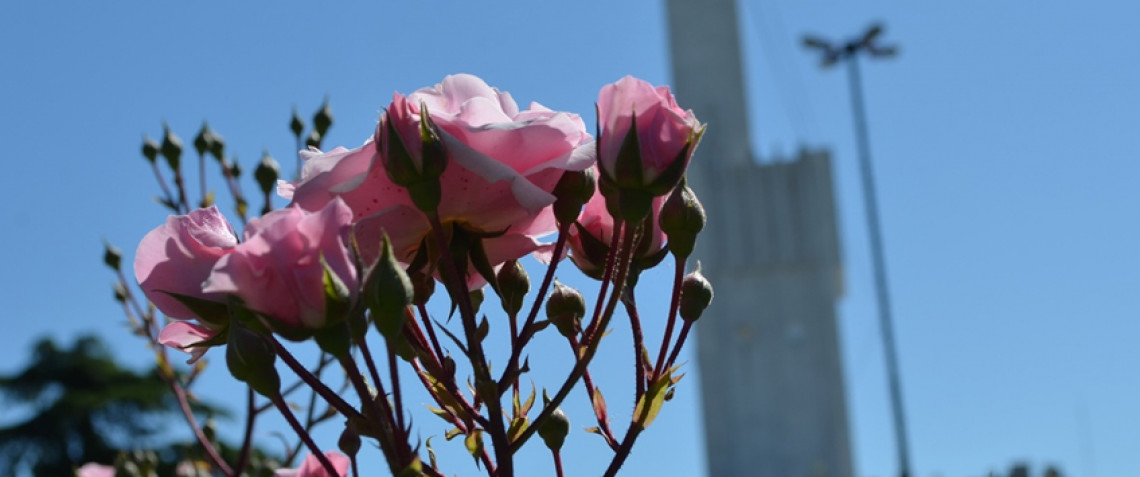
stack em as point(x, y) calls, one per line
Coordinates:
point(849, 52)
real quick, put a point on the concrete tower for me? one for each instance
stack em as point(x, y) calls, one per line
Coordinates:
point(768, 348)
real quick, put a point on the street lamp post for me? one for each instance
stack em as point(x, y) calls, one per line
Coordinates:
point(849, 52)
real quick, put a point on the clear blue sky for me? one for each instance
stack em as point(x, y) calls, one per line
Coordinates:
point(1005, 138)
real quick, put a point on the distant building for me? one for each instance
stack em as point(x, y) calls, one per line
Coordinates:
point(768, 348)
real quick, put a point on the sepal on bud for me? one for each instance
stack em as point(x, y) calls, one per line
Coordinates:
point(149, 149)
point(555, 428)
point(389, 292)
point(171, 148)
point(251, 359)
point(267, 173)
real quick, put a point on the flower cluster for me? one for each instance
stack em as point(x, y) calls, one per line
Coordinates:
point(455, 184)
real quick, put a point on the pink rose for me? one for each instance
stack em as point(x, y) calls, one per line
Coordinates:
point(92, 469)
point(502, 165)
point(277, 271)
point(312, 467)
point(593, 233)
point(666, 136)
point(179, 255)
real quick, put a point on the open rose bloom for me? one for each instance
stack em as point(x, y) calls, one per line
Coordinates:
point(453, 185)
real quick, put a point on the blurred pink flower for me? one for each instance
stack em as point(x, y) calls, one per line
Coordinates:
point(312, 467)
point(179, 255)
point(665, 134)
point(502, 165)
point(92, 469)
point(277, 272)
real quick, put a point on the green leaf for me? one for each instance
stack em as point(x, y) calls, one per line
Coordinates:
point(650, 403)
point(212, 312)
point(474, 444)
point(431, 453)
point(451, 433)
point(518, 425)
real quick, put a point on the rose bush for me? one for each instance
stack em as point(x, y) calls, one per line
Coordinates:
point(502, 164)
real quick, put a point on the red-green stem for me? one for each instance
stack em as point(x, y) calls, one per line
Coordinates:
point(619, 228)
point(624, 450)
point(638, 343)
point(454, 278)
point(558, 463)
point(180, 184)
point(202, 175)
point(247, 440)
point(671, 321)
point(602, 321)
point(397, 399)
point(328, 394)
point(305, 437)
point(680, 343)
point(393, 442)
point(588, 382)
point(211, 452)
point(162, 182)
point(431, 332)
point(527, 332)
point(150, 327)
point(455, 420)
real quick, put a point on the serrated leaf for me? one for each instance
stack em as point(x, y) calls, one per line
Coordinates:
point(431, 453)
point(529, 400)
point(518, 425)
point(650, 403)
point(474, 444)
point(600, 409)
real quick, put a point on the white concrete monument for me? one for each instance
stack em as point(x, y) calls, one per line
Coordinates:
point(768, 347)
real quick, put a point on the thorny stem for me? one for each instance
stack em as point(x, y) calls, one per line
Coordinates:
point(431, 332)
point(588, 382)
point(168, 374)
point(455, 420)
point(671, 321)
point(381, 414)
point(305, 437)
point(397, 399)
point(328, 394)
point(247, 440)
point(454, 279)
point(680, 343)
point(588, 335)
point(638, 342)
point(184, 404)
point(623, 451)
point(623, 262)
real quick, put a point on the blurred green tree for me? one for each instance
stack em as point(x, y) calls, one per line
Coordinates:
point(81, 406)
